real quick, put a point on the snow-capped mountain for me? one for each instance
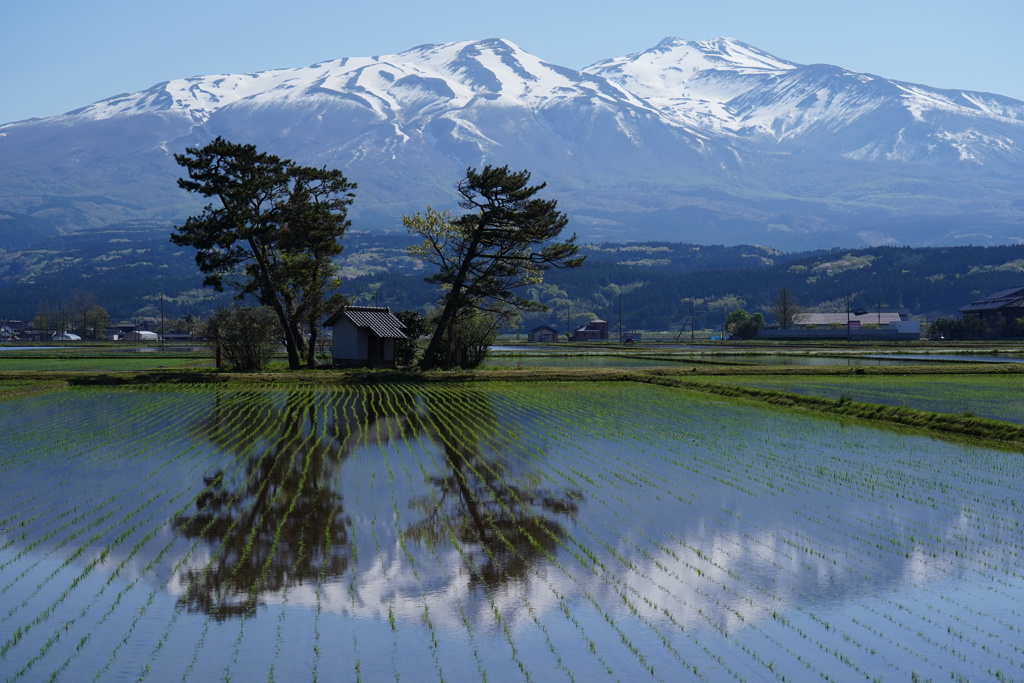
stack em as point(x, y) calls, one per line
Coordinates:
point(712, 141)
point(736, 89)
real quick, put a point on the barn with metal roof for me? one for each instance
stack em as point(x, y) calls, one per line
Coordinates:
point(364, 337)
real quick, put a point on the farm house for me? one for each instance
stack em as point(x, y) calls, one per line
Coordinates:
point(544, 333)
point(364, 336)
point(1006, 305)
point(596, 329)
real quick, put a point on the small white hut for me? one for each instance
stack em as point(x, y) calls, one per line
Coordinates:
point(364, 337)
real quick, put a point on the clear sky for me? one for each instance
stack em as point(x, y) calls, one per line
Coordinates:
point(58, 55)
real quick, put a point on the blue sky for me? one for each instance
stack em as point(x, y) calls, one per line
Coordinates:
point(58, 55)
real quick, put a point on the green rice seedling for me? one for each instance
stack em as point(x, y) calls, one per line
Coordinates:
point(785, 501)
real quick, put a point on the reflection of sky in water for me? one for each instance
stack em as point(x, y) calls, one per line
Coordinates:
point(581, 361)
point(531, 358)
point(705, 535)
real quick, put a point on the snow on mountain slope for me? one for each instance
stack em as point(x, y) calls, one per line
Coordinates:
point(714, 137)
point(732, 88)
point(464, 101)
point(693, 81)
point(441, 77)
point(702, 89)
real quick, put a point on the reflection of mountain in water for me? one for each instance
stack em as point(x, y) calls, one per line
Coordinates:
point(278, 521)
point(308, 470)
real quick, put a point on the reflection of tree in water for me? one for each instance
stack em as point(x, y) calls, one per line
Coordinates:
point(278, 521)
point(505, 523)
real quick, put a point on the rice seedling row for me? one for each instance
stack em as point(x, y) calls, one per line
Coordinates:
point(626, 599)
point(119, 539)
point(498, 532)
point(631, 567)
point(451, 437)
point(994, 396)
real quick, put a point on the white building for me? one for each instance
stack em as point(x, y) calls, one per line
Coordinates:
point(364, 336)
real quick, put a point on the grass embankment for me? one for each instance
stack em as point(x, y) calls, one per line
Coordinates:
point(83, 363)
point(25, 388)
point(995, 432)
point(948, 424)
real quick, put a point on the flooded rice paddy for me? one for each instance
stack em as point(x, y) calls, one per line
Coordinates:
point(997, 397)
point(520, 532)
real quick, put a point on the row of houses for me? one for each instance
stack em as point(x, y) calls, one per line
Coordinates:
point(365, 336)
point(16, 330)
point(879, 325)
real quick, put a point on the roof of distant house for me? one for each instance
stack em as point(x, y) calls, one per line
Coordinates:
point(825, 319)
point(1007, 298)
point(379, 319)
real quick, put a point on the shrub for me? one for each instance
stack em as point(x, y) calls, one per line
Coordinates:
point(247, 337)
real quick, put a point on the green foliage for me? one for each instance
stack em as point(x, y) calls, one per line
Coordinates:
point(247, 337)
point(273, 236)
point(736, 317)
point(970, 327)
point(415, 326)
point(484, 257)
point(467, 340)
point(741, 325)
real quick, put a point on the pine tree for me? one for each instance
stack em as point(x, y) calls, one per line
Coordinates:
point(273, 236)
point(484, 256)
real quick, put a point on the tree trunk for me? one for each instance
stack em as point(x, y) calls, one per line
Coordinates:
point(430, 356)
point(291, 346)
point(311, 350)
point(451, 307)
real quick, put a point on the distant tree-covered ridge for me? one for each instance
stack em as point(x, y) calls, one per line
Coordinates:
point(129, 266)
point(661, 282)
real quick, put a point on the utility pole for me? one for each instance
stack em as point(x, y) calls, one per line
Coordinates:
point(620, 317)
point(847, 317)
point(162, 331)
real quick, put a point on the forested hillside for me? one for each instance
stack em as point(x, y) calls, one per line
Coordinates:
point(658, 282)
point(129, 267)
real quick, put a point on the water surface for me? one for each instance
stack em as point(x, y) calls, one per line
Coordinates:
point(562, 532)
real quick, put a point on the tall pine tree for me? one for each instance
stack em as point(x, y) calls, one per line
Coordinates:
point(273, 234)
point(484, 256)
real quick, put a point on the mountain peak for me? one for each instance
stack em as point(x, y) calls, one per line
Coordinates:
point(668, 123)
point(693, 81)
point(720, 52)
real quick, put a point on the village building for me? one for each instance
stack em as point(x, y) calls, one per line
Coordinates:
point(877, 325)
point(998, 309)
point(544, 333)
point(11, 329)
point(595, 330)
point(813, 320)
point(364, 337)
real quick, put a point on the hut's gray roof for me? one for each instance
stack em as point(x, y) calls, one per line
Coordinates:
point(380, 320)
